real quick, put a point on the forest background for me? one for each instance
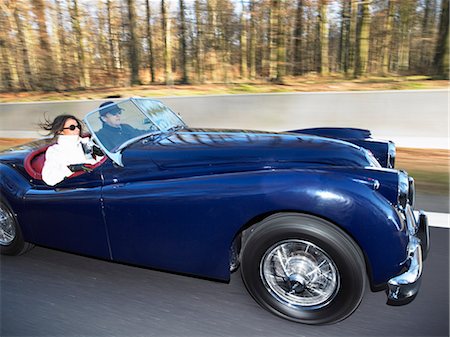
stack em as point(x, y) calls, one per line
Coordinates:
point(63, 45)
point(91, 49)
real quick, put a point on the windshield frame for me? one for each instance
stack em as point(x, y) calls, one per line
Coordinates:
point(116, 154)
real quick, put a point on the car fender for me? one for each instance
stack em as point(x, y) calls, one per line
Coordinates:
point(354, 206)
point(13, 187)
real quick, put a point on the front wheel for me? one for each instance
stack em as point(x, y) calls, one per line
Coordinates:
point(303, 268)
point(11, 240)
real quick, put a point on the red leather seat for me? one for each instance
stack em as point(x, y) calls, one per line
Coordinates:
point(34, 163)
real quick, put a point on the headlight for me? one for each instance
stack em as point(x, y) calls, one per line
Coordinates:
point(406, 190)
point(391, 155)
point(403, 188)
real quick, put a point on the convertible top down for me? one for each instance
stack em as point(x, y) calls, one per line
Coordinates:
point(311, 217)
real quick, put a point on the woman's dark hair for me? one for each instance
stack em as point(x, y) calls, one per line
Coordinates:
point(57, 125)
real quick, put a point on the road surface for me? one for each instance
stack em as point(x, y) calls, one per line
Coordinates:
point(51, 293)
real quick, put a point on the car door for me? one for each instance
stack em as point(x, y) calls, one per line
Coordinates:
point(184, 224)
point(69, 216)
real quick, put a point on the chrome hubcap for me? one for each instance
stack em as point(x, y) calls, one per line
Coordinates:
point(299, 274)
point(7, 227)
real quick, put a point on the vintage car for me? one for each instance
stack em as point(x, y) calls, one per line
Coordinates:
point(311, 217)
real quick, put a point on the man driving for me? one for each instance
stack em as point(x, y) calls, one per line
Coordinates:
point(113, 132)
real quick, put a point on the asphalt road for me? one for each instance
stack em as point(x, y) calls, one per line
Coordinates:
point(51, 293)
point(432, 202)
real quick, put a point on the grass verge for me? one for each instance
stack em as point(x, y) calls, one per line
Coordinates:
point(307, 83)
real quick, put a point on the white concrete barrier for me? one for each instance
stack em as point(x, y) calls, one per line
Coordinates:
point(441, 220)
point(417, 118)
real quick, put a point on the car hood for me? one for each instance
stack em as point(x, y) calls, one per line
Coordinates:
point(212, 147)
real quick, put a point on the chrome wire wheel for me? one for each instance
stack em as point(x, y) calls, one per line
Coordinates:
point(299, 274)
point(7, 227)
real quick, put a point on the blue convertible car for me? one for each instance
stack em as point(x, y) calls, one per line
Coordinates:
point(311, 217)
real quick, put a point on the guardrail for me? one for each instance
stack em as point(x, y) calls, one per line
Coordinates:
point(417, 118)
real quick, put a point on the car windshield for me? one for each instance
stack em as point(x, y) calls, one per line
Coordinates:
point(117, 125)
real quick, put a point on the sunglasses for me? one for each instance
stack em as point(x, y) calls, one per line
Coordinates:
point(72, 127)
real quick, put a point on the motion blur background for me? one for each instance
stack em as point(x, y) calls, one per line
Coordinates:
point(67, 44)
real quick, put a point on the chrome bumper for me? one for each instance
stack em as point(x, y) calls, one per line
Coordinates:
point(403, 288)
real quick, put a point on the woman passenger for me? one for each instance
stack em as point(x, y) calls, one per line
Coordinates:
point(69, 154)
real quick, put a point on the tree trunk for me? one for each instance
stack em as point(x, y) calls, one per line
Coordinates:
point(353, 35)
point(223, 17)
point(133, 44)
point(298, 40)
point(252, 40)
point(167, 48)
point(344, 41)
point(406, 12)
point(324, 66)
point(427, 27)
point(243, 40)
point(151, 54)
point(385, 68)
point(362, 50)
point(274, 31)
point(23, 46)
point(84, 76)
point(9, 75)
point(281, 42)
point(114, 52)
point(441, 62)
point(45, 60)
point(183, 43)
point(199, 44)
point(213, 47)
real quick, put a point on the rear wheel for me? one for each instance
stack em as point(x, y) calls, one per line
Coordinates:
point(11, 239)
point(303, 268)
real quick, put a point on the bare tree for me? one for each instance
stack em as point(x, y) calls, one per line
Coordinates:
point(183, 43)
point(344, 40)
point(167, 52)
point(9, 75)
point(427, 32)
point(441, 62)
point(45, 60)
point(151, 53)
point(243, 41)
point(274, 37)
point(84, 76)
point(362, 40)
point(27, 78)
point(199, 42)
point(323, 37)
point(298, 39)
point(252, 47)
point(386, 51)
point(133, 44)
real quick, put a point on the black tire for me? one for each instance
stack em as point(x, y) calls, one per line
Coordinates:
point(11, 239)
point(301, 292)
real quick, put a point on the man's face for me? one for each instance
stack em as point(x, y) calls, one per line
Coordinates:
point(112, 119)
